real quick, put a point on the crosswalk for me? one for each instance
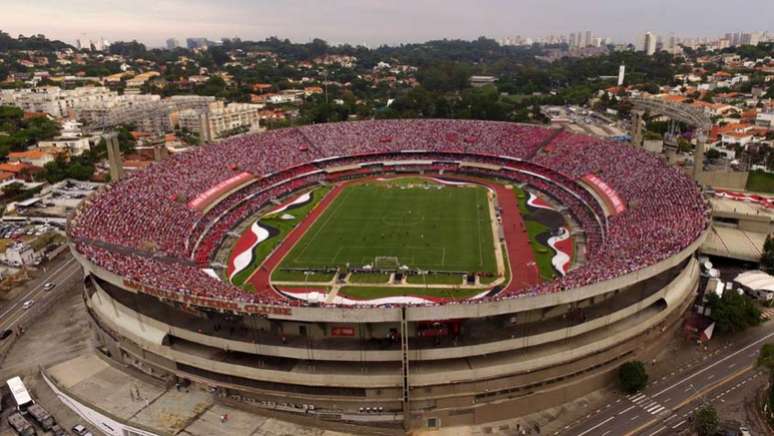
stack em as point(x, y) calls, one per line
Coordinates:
point(646, 403)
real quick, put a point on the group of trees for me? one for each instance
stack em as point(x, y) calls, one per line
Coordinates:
point(82, 167)
point(766, 361)
point(32, 42)
point(17, 133)
point(767, 257)
point(733, 312)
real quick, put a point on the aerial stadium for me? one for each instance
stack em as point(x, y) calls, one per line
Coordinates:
point(392, 274)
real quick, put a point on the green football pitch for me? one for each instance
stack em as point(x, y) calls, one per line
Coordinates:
point(423, 225)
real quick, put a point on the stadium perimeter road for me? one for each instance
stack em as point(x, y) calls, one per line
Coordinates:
point(59, 271)
point(665, 405)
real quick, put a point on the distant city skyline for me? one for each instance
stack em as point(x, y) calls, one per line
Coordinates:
point(375, 22)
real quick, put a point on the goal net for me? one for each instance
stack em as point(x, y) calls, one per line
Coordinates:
point(386, 262)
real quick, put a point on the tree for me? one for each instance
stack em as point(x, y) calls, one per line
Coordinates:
point(632, 376)
point(713, 154)
point(767, 257)
point(705, 420)
point(13, 190)
point(766, 360)
point(733, 312)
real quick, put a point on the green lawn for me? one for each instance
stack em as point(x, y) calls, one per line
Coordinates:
point(370, 293)
point(759, 181)
point(542, 253)
point(431, 227)
point(284, 227)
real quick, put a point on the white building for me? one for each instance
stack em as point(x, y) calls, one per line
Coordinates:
point(218, 121)
point(55, 101)
point(20, 254)
point(765, 119)
point(649, 43)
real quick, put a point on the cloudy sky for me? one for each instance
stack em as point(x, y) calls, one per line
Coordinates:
point(377, 21)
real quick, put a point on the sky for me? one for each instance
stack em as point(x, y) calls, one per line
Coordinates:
point(374, 22)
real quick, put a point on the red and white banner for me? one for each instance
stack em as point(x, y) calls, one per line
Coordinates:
point(765, 201)
point(605, 190)
point(204, 199)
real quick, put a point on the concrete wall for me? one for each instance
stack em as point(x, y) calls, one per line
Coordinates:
point(724, 179)
point(145, 334)
point(148, 326)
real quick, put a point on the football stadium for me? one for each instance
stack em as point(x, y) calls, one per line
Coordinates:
point(392, 274)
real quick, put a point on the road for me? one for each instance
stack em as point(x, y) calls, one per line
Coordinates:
point(60, 271)
point(666, 403)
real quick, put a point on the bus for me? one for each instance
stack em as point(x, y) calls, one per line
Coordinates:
point(20, 394)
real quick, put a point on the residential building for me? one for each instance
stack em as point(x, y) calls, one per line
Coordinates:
point(765, 119)
point(36, 158)
point(20, 254)
point(172, 44)
point(194, 43)
point(649, 41)
point(219, 121)
point(54, 100)
point(479, 81)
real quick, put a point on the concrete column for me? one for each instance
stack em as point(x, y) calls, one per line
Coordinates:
point(114, 157)
point(159, 152)
point(698, 155)
point(637, 116)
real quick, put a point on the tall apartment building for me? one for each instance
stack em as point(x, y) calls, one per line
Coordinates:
point(649, 41)
point(193, 43)
point(219, 120)
point(172, 44)
point(55, 101)
point(149, 112)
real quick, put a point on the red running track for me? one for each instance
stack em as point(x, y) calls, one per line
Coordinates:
point(524, 270)
point(261, 278)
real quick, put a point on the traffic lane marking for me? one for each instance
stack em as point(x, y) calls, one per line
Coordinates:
point(19, 314)
point(736, 353)
point(596, 426)
point(35, 288)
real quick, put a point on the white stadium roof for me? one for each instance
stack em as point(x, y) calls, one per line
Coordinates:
point(756, 280)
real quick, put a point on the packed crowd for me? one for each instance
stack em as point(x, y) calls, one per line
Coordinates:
point(148, 212)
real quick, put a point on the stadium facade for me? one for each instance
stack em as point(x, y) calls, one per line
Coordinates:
point(144, 242)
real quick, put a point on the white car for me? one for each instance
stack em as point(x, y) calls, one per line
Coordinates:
point(48, 286)
point(27, 304)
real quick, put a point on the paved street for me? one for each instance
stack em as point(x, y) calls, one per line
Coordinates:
point(665, 405)
point(61, 272)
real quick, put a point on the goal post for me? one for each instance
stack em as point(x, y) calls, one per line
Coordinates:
point(386, 262)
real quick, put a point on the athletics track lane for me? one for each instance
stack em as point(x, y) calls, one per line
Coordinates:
point(261, 278)
point(524, 271)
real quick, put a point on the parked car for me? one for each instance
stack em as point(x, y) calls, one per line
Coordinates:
point(80, 430)
point(57, 430)
point(27, 304)
point(5, 334)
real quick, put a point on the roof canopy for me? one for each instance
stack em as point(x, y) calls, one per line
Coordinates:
point(756, 280)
